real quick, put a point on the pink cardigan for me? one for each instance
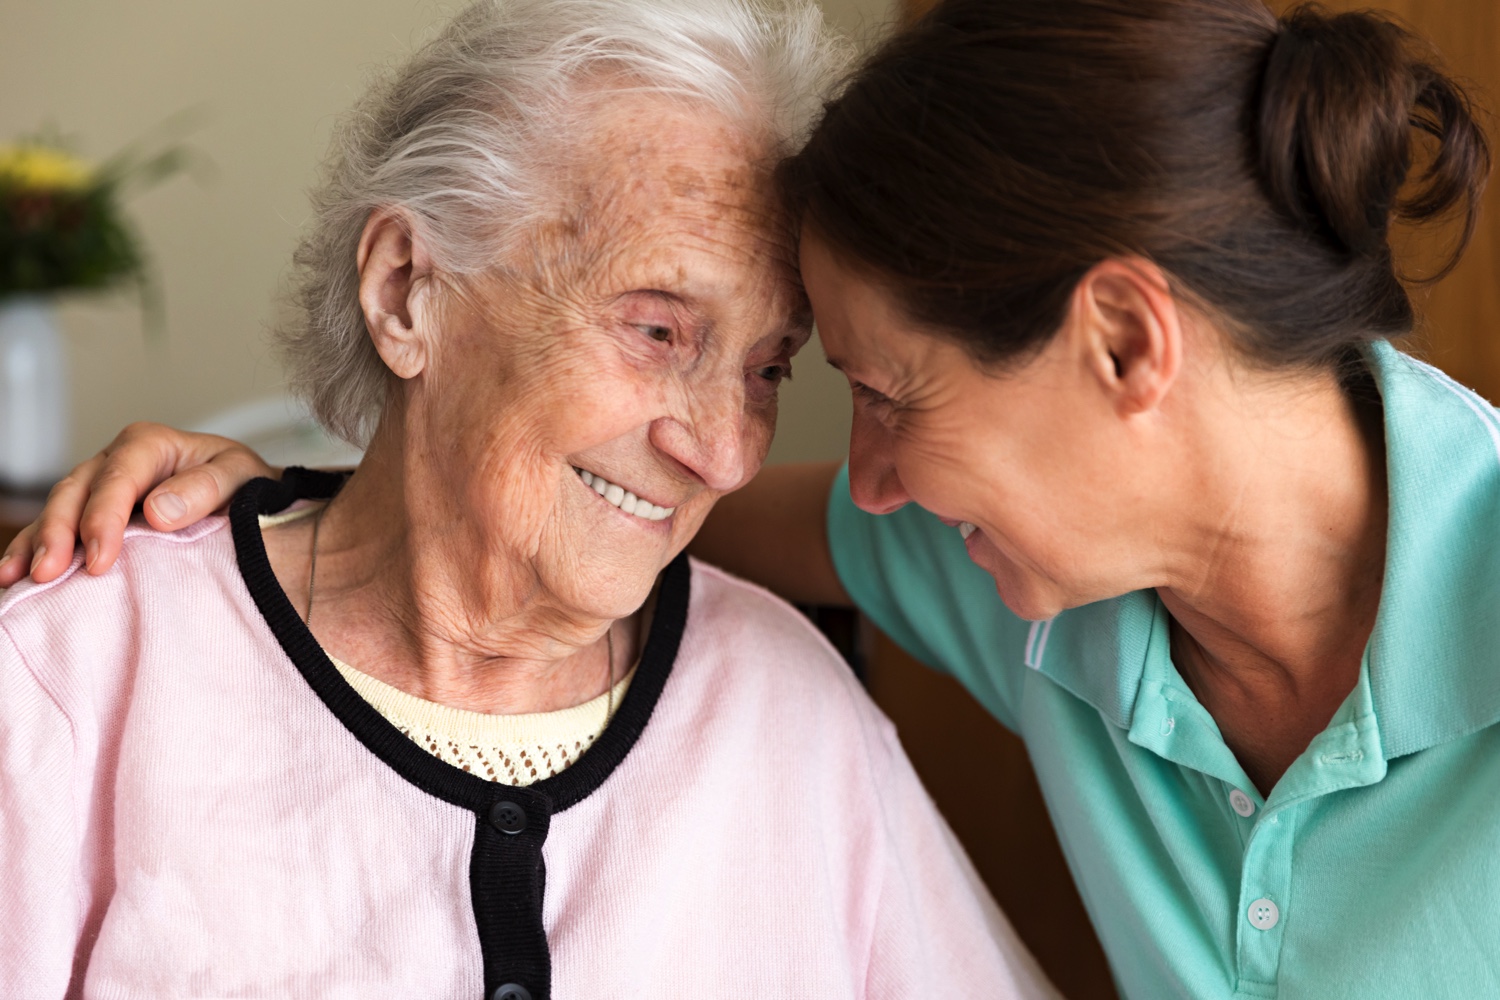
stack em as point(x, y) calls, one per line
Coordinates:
point(194, 804)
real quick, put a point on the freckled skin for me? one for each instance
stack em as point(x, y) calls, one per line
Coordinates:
point(685, 181)
point(639, 333)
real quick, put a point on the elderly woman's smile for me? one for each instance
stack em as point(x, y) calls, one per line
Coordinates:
point(561, 422)
point(617, 496)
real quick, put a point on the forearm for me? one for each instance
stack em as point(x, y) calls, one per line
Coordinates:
point(774, 532)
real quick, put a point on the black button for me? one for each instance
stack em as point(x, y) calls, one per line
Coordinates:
point(511, 991)
point(507, 817)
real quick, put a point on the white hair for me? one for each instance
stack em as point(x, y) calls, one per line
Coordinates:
point(451, 137)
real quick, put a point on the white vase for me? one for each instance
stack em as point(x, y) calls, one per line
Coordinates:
point(33, 394)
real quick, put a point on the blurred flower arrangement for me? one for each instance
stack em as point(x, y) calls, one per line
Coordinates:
point(62, 227)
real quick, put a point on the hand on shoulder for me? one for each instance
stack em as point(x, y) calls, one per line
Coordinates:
point(179, 478)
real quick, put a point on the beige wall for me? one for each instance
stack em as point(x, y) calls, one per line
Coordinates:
point(268, 77)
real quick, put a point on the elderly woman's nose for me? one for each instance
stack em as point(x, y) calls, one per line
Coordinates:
point(709, 439)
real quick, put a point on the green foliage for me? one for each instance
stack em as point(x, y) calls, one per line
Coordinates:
point(62, 225)
point(53, 240)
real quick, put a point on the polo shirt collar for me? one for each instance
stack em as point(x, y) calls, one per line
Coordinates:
point(1435, 650)
point(1437, 632)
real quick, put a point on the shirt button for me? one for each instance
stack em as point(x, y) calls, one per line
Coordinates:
point(1241, 803)
point(511, 991)
point(507, 817)
point(1264, 915)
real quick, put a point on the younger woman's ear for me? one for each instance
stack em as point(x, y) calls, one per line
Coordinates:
point(1128, 326)
point(394, 284)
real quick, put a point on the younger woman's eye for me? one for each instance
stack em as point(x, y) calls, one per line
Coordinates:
point(660, 334)
point(870, 395)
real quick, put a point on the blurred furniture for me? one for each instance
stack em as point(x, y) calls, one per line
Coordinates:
point(17, 510)
point(283, 432)
point(278, 427)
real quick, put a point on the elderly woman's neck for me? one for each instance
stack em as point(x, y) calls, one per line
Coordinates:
point(408, 591)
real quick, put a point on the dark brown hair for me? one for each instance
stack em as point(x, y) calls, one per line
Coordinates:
point(980, 163)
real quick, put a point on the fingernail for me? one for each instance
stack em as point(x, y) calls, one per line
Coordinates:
point(93, 554)
point(168, 506)
point(36, 560)
point(5, 563)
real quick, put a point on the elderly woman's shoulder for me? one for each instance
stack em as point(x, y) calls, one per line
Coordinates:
point(748, 648)
point(73, 650)
point(749, 611)
point(151, 564)
point(742, 621)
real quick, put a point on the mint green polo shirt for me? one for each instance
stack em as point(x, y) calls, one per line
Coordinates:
point(1373, 869)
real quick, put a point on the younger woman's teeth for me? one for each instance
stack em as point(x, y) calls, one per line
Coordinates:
point(966, 529)
point(623, 498)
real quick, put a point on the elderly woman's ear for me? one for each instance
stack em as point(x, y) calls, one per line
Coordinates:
point(395, 290)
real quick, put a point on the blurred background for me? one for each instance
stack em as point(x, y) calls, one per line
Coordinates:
point(263, 82)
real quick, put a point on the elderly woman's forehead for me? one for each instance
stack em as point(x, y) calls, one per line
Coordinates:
point(658, 182)
point(651, 144)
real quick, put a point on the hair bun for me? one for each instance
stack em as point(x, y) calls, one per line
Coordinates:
point(1340, 98)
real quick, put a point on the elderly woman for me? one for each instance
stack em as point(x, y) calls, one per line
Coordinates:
point(413, 734)
point(1135, 459)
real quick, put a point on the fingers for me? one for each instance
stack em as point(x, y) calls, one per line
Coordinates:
point(189, 476)
point(192, 495)
point(44, 548)
point(100, 522)
point(197, 473)
point(139, 457)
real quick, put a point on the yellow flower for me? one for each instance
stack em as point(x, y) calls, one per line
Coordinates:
point(39, 168)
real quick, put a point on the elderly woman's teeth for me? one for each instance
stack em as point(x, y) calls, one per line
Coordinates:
point(623, 498)
point(966, 529)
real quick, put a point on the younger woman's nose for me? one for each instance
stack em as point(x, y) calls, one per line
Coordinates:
point(874, 483)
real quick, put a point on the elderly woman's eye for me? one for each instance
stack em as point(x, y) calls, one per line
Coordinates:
point(774, 373)
point(655, 332)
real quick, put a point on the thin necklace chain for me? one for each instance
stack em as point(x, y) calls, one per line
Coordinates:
point(609, 674)
point(609, 634)
point(312, 570)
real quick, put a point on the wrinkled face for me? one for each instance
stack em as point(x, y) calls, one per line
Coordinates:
point(1021, 462)
point(593, 402)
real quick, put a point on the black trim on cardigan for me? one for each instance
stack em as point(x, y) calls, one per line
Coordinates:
point(507, 877)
